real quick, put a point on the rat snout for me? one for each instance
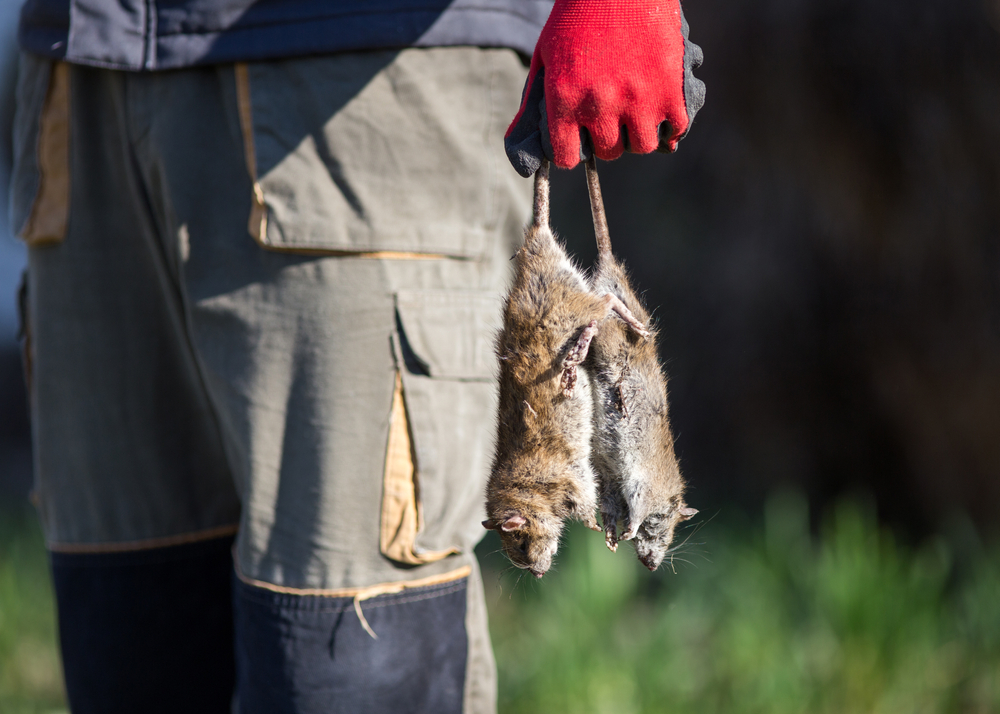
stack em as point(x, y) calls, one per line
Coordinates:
point(649, 561)
point(650, 557)
point(541, 566)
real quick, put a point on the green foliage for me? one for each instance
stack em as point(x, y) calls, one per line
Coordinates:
point(762, 617)
point(30, 673)
point(770, 620)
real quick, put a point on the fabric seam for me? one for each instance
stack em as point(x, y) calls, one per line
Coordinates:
point(49, 214)
point(347, 603)
point(342, 15)
point(457, 574)
point(145, 544)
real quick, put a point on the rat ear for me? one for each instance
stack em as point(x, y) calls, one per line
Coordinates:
point(513, 523)
point(491, 525)
point(687, 513)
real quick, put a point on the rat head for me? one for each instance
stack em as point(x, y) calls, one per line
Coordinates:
point(652, 542)
point(529, 539)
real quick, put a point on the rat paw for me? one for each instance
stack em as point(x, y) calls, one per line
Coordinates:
point(568, 382)
point(630, 532)
point(575, 356)
point(611, 537)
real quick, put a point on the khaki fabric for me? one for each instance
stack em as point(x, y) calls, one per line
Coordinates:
point(325, 386)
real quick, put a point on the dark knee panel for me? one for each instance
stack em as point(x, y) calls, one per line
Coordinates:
point(147, 630)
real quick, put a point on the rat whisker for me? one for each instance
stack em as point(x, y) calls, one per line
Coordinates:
point(683, 546)
point(681, 560)
point(516, 583)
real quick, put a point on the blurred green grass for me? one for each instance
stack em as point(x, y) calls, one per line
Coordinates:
point(763, 618)
point(30, 672)
point(760, 616)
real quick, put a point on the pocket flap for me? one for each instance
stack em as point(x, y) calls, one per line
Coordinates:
point(372, 152)
point(451, 333)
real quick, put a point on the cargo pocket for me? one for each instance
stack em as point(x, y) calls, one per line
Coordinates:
point(378, 154)
point(40, 179)
point(441, 432)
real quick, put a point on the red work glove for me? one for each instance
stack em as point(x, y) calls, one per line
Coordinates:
point(621, 69)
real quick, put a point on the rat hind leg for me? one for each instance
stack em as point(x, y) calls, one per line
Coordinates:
point(611, 534)
point(575, 357)
point(612, 511)
point(616, 306)
point(631, 528)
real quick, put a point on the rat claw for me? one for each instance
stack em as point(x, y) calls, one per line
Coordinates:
point(611, 538)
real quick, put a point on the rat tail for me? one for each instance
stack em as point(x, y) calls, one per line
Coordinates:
point(597, 208)
point(541, 217)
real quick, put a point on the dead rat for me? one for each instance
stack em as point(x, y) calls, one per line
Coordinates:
point(641, 484)
point(542, 472)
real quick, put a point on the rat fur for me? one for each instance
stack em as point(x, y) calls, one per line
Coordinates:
point(542, 473)
point(641, 487)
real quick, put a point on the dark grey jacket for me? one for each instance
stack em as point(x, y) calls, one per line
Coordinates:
point(166, 34)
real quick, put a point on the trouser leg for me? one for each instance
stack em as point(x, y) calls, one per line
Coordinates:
point(131, 482)
point(319, 329)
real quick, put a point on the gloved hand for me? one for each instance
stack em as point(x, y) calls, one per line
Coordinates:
point(620, 69)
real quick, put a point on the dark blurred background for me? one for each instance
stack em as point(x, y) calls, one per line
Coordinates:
point(15, 439)
point(822, 253)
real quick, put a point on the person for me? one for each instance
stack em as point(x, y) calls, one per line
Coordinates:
point(267, 242)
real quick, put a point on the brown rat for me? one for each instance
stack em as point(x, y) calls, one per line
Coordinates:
point(641, 484)
point(542, 472)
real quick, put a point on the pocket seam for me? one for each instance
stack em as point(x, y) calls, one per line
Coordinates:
point(402, 515)
point(49, 214)
point(478, 364)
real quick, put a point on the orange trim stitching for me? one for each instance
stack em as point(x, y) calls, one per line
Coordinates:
point(257, 225)
point(338, 253)
point(382, 588)
point(148, 544)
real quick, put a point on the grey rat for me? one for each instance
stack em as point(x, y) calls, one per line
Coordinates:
point(640, 479)
point(541, 472)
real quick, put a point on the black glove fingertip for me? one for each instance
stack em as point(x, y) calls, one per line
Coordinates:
point(524, 145)
point(665, 132)
point(586, 145)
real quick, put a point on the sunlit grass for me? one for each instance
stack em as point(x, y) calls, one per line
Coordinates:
point(765, 618)
point(30, 673)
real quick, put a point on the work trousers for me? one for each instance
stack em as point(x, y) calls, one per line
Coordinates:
point(260, 310)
